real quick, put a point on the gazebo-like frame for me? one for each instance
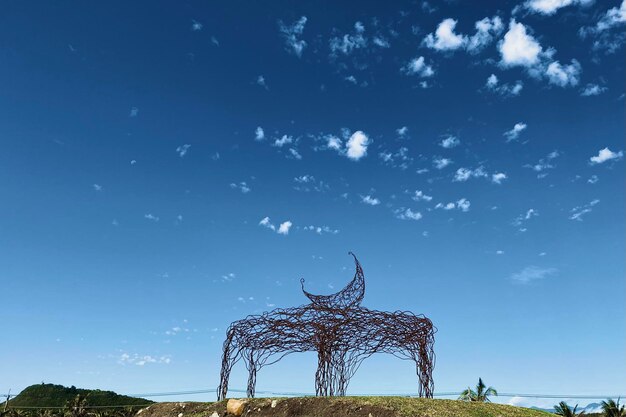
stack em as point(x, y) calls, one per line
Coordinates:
point(340, 330)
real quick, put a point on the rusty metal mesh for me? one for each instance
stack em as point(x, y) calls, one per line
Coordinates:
point(341, 332)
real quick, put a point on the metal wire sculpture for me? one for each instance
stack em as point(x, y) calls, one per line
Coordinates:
point(341, 332)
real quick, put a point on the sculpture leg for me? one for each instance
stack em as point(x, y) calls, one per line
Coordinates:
point(252, 369)
point(229, 357)
point(323, 373)
point(424, 364)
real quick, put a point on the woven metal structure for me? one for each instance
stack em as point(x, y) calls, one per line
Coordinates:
point(340, 330)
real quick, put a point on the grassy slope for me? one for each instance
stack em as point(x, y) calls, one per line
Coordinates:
point(49, 395)
point(348, 407)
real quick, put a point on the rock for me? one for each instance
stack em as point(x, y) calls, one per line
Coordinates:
point(235, 407)
point(274, 402)
point(180, 414)
point(214, 414)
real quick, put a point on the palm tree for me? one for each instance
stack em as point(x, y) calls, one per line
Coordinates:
point(480, 395)
point(610, 408)
point(77, 406)
point(562, 409)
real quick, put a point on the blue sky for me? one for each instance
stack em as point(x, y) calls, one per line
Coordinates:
point(168, 168)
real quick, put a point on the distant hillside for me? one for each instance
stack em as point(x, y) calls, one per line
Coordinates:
point(50, 395)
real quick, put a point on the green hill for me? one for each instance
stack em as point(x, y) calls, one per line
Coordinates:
point(50, 395)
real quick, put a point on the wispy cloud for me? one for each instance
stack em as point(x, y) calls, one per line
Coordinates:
point(282, 228)
point(241, 186)
point(369, 200)
point(291, 34)
point(578, 212)
point(507, 90)
point(532, 273)
point(450, 141)
point(259, 133)
point(183, 149)
point(441, 163)
point(141, 360)
point(514, 133)
point(151, 217)
point(407, 214)
point(521, 220)
point(462, 204)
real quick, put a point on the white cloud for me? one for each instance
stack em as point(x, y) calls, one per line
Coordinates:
point(578, 212)
point(543, 164)
point(134, 112)
point(291, 33)
point(141, 360)
point(606, 38)
point(183, 149)
point(463, 204)
point(497, 178)
point(441, 163)
point(242, 186)
point(444, 38)
point(420, 196)
point(515, 132)
point(486, 30)
point(418, 66)
point(151, 217)
point(356, 147)
point(464, 174)
point(259, 134)
point(284, 227)
point(304, 179)
point(606, 155)
point(333, 142)
point(520, 220)
point(97, 187)
point(381, 42)
point(308, 183)
point(592, 90)
point(267, 223)
point(399, 159)
point(284, 140)
point(408, 214)
point(493, 84)
point(196, 26)
point(563, 75)
point(518, 48)
point(260, 80)
point(321, 229)
point(549, 7)
point(349, 42)
point(532, 273)
point(613, 17)
point(293, 153)
point(368, 199)
point(402, 131)
point(449, 142)
point(593, 179)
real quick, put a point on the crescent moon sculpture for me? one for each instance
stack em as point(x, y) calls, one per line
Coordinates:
point(351, 295)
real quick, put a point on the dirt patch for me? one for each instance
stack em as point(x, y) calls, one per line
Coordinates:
point(342, 407)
